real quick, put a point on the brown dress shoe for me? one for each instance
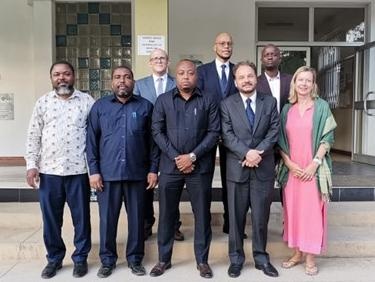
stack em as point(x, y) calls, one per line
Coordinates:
point(178, 235)
point(160, 268)
point(205, 270)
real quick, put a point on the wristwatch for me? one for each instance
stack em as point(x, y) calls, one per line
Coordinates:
point(193, 157)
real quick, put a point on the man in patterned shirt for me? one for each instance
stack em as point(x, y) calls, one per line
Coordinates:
point(55, 161)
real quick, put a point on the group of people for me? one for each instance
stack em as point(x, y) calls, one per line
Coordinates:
point(163, 130)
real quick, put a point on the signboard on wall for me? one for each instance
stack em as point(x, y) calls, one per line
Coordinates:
point(147, 43)
point(6, 106)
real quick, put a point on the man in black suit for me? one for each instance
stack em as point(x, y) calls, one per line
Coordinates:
point(216, 78)
point(274, 82)
point(250, 125)
point(185, 126)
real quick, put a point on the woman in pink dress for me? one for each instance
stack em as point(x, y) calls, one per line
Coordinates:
point(306, 137)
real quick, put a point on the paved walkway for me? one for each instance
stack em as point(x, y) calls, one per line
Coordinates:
point(331, 270)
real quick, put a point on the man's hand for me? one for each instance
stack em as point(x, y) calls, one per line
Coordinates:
point(183, 162)
point(32, 177)
point(252, 158)
point(152, 180)
point(189, 169)
point(96, 182)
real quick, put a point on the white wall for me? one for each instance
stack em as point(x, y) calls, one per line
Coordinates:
point(194, 24)
point(24, 63)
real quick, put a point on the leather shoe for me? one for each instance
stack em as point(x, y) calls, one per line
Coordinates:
point(160, 268)
point(205, 270)
point(234, 270)
point(137, 268)
point(267, 269)
point(106, 270)
point(80, 269)
point(178, 235)
point(50, 270)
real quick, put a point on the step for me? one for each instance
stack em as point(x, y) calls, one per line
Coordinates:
point(25, 215)
point(27, 244)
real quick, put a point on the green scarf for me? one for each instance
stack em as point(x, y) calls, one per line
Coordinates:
point(323, 129)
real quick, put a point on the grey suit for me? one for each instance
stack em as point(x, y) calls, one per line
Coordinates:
point(249, 187)
point(145, 87)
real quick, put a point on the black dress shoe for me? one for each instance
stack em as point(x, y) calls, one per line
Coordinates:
point(267, 269)
point(137, 268)
point(234, 270)
point(160, 268)
point(178, 235)
point(205, 270)
point(106, 270)
point(50, 270)
point(80, 269)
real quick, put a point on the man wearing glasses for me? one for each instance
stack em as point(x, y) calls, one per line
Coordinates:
point(216, 78)
point(150, 87)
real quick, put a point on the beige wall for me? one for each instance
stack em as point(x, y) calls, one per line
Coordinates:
point(150, 17)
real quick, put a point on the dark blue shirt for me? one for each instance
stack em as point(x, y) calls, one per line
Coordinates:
point(181, 127)
point(119, 141)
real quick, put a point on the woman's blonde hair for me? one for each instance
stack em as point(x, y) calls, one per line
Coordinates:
point(293, 98)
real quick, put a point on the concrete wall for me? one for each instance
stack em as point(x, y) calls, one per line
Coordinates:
point(23, 72)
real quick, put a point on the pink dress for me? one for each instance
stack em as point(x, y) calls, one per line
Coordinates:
point(305, 213)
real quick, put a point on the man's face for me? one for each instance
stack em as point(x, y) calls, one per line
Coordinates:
point(62, 79)
point(186, 76)
point(245, 79)
point(223, 46)
point(122, 83)
point(271, 58)
point(159, 62)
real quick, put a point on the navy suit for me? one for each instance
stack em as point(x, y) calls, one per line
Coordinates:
point(249, 187)
point(145, 87)
point(209, 82)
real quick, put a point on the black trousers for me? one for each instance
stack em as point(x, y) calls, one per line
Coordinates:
point(199, 189)
point(54, 191)
point(110, 201)
point(149, 211)
point(257, 195)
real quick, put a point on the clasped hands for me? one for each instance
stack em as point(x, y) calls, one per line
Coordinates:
point(305, 174)
point(184, 163)
point(253, 158)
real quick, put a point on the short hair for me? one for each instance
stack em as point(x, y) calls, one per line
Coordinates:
point(270, 45)
point(293, 98)
point(244, 63)
point(159, 49)
point(61, 62)
point(186, 60)
point(122, 67)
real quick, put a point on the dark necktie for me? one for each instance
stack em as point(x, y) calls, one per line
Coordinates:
point(250, 113)
point(224, 80)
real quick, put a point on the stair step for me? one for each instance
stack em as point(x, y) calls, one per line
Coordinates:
point(25, 215)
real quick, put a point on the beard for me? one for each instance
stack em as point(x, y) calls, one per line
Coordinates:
point(123, 93)
point(64, 89)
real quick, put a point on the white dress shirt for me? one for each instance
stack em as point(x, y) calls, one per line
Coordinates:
point(56, 139)
point(253, 100)
point(274, 83)
point(156, 81)
point(219, 68)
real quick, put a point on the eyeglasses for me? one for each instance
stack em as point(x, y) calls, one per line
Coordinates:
point(224, 43)
point(155, 59)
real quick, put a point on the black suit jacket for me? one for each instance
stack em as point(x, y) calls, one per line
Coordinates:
point(264, 87)
point(209, 81)
point(176, 131)
point(238, 138)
